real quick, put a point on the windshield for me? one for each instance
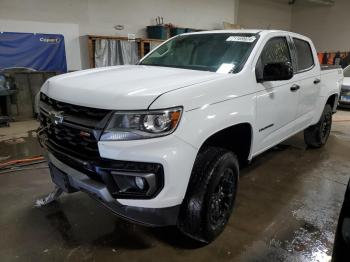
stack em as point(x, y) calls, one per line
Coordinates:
point(347, 71)
point(221, 53)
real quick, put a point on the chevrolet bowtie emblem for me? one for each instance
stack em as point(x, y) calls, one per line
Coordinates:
point(85, 134)
point(56, 117)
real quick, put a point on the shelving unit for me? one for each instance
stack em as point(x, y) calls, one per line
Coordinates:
point(91, 40)
point(144, 45)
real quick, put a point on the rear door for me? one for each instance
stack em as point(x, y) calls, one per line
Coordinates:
point(307, 77)
point(276, 100)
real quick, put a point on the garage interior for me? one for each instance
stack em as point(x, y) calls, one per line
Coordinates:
point(289, 198)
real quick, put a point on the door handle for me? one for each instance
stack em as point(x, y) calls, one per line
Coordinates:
point(294, 88)
point(317, 81)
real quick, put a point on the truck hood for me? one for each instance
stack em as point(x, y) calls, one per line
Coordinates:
point(122, 87)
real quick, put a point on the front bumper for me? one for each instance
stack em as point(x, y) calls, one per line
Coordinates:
point(344, 97)
point(71, 180)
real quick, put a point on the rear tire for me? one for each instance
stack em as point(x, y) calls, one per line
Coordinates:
point(317, 135)
point(211, 194)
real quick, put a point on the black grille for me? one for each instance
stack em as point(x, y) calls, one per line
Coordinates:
point(79, 132)
point(74, 110)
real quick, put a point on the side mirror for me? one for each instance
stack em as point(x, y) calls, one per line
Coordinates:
point(276, 72)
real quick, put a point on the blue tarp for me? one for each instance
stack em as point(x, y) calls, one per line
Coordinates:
point(42, 52)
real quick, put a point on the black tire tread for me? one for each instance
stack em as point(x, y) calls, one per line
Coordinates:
point(192, 207)
point(311, 134)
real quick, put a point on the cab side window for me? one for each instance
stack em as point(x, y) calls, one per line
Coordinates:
point(276, 50)
point(304, 54)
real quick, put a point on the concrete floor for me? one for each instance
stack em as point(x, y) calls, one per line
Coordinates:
point(286, 210)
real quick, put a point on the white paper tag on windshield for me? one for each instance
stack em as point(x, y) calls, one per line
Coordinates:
point(225, 68)
point(245, 39)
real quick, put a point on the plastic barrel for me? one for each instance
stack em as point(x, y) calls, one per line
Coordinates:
point(157, 32)
point(177, 31)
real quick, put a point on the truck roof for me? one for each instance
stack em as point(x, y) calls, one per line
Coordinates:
point(237, 31)
point(249, 31)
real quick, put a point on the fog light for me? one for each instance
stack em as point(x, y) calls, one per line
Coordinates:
point(140, 182)
point(132, 185)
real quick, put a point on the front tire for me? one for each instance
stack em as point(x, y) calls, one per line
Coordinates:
point(317, 135)
point(211, 194)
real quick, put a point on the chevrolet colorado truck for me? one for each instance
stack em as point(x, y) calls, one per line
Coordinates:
point(161, 142)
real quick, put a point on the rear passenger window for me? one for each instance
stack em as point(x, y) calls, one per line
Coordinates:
point(305, 58)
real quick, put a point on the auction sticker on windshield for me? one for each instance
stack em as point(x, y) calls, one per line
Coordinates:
point(246, 39)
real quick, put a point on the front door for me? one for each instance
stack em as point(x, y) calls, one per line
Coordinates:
point(277, 100)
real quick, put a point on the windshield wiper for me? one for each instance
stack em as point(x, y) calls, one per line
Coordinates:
point(199, 68)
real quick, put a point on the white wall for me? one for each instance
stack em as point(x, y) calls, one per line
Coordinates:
point(81, 17)
point(328, 27)
point(265, 14)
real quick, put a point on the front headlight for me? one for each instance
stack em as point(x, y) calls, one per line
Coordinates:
point(141, 125)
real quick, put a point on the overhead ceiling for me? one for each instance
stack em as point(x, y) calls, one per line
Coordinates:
point(323, 2)
point(320, 2)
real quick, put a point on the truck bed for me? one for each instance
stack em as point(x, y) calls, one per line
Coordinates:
point(330, 67)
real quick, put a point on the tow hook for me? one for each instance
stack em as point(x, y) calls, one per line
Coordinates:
point(54, 195)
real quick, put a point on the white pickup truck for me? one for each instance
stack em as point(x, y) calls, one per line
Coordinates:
point(160, 143)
